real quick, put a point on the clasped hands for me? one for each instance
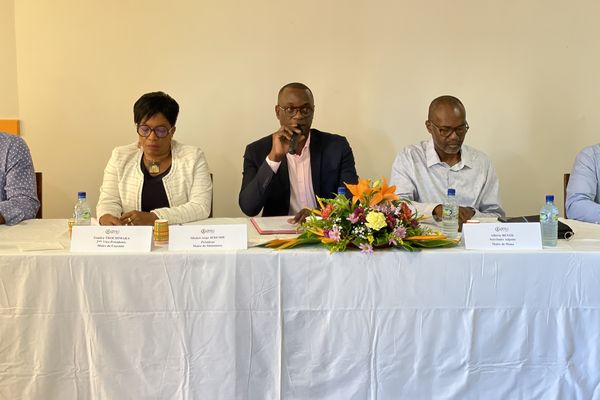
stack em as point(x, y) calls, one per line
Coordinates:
point(129, 218)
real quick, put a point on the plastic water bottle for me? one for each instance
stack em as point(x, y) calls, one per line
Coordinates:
point(549, 222)
point(81, 212)
point(450, 215)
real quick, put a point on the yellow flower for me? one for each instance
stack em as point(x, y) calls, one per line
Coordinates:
point(375, 220)
point(371, 239)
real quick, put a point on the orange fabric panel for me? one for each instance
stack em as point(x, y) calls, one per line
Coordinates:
point(9, 126)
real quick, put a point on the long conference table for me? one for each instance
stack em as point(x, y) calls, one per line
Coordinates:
point(297, 324)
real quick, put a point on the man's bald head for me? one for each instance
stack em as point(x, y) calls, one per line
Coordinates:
point(446, 101)
point(296, 85)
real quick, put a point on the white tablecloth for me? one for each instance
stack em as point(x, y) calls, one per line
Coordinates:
point(298, 324)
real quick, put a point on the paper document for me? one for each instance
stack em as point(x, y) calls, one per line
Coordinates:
point(273, 225)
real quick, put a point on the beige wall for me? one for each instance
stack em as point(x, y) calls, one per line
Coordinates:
point(9, 105)
point(526, 71)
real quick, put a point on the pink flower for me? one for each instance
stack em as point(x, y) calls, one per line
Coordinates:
point(357, 215)
point(365, 248)
point(335, 234)
point(400, 232)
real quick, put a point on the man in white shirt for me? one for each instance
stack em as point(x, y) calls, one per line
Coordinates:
point(423, 172)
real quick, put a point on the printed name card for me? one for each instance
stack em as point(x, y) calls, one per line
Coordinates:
point(111, 238)
point(208, 237)
point(514, 236)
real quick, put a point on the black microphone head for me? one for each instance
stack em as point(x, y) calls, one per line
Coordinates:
point(293, 144)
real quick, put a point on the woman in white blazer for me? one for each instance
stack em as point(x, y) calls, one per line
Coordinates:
point(155, 177)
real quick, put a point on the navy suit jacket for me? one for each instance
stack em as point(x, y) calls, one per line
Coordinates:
point(331, 165)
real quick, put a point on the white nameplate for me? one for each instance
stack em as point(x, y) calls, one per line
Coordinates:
point(208, 237)
point(503, 236)
point(112, 238)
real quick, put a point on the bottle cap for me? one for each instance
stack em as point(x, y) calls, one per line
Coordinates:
point(342, 190)
point(451, 192)
point(80, 195)
point(549, 198)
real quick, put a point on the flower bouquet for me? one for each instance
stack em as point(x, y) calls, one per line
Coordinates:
point(374, 217)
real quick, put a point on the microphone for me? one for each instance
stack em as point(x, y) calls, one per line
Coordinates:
point(293, 149)
point(293, 144)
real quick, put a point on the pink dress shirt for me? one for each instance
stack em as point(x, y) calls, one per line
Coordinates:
point(302, 193)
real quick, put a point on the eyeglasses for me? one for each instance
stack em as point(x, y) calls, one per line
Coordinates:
point(291, 111)
point(447, 131)
point(160, 131)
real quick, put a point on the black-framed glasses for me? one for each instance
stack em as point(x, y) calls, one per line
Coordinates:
point(291, 111)
point(160, 131)
point(447, 131)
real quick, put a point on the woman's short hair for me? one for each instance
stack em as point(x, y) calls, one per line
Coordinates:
point(153, 103)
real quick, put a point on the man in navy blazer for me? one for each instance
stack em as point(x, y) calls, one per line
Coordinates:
point(283, 172)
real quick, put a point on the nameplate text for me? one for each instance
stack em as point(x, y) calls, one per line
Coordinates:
point(111, 239)
point(208, 237)
point(501, 236)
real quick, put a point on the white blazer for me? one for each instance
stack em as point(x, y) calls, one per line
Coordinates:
point(188, 184)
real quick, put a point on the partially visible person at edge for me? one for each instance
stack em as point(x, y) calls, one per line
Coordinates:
point(279, 182)
point(423, 172)
point(583, 190)
point(18, 195)
point(155, 177)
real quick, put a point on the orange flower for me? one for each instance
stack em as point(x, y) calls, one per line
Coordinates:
point(360, 190)
point(385, 192)
point(317, 231)
point(327, 240)
point(426, 237)
point(406, 212)
point(327, 211)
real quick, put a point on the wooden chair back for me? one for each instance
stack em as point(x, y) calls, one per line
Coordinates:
point(212, 195)
point(565, 184)
point(38, 188)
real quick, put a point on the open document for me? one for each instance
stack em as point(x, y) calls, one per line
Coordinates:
point(273, 225)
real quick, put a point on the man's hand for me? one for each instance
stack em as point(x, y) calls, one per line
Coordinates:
point(138, 218)
point(300, 216)
point(281, 141)
point(108, 219)
point(464, 214)
point(438, 212)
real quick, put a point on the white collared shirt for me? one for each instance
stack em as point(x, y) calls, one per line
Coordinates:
point(420, 176)
point(302, 193)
